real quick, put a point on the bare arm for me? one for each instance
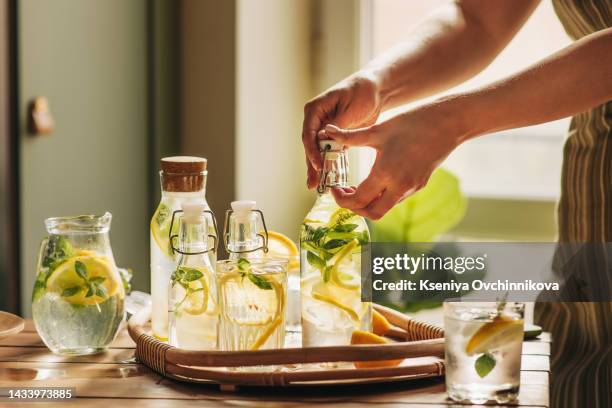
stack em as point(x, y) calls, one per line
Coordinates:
point(455, 43)
point(410, 145)
point(452, 45)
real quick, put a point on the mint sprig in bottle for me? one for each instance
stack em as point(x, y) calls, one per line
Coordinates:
point(331, 241)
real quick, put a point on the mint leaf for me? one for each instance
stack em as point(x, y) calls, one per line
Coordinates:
point(484, 364)
point(101, 291)
point(259, 281)
point(90, 291)
point(243, 264)
point(191, 274)
point(71, 291)
point(335, 243)
point(315, 261)
point(345, 227)
point(80, 269)
point(97, 280)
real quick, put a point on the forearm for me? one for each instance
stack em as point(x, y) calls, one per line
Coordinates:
point(568, 82)
point(451, 46)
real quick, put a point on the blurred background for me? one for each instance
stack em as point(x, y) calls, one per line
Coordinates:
point(129, 82)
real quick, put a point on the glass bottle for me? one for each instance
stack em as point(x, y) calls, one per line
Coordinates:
point(331, 239)
point(252, 287)
point(78, 296)
point(193, 314)
point(183, 178)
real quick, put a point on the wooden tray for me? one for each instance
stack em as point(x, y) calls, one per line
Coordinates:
point(421, 345)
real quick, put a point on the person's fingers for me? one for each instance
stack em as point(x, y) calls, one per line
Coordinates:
point(312, 175)
point(351, 137)
point(379, 207)
point(362, 196)
point(315, 113)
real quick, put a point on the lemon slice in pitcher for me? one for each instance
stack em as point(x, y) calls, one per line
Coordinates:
point(73, 287)
point(493, 334)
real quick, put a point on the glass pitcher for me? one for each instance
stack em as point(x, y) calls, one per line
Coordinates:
point(78, 296)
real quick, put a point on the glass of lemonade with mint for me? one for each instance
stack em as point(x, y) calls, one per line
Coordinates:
point(78, 296)
point(484, 343)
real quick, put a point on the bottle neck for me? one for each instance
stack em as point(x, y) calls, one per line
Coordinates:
point(335, 171)
point(243, 240)
point(193, 243)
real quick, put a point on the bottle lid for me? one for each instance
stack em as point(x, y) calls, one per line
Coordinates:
point(330, 145)
point(192, 211)
point(242, 209)
point(183, 173)
point(183, 164)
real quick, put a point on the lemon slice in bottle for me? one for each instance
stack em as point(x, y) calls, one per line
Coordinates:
point(160, 228)
point(494, 334)
point(336, 297)
point(196, 303)
point(66, 282)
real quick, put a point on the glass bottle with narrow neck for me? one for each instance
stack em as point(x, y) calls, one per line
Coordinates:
point(192, 297)
point(183, 179)
point(331, 240)
point(244, 231)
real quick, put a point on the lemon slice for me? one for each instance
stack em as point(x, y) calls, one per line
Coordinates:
point(160, 228)
point(276, 320)
point(364, 337)
point(280, 245)
point(197, 302)
point(65, 280)
point(494, 334)
point(338, 278)
point(334, 302)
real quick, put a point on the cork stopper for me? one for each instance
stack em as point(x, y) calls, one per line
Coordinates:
point(183, 173)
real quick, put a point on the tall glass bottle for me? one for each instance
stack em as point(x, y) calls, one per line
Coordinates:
point(183, 178)
point(331, 240)
point(193, 314)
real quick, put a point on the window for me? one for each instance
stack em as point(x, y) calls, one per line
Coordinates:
point(517, 164)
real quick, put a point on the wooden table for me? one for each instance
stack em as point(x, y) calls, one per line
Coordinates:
point(115, 379)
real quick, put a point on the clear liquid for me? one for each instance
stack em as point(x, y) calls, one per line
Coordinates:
point(163, 262)
point(463, 383)
point(331, 311)
point(251, 318)
point(190, 328)
point(77, 329)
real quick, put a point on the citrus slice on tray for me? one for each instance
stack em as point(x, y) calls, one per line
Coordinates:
point(493, 334)
point(364, 337)
point(380, 324)
point(85, 280)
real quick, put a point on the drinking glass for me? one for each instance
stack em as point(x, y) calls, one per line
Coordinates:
point(483, 350)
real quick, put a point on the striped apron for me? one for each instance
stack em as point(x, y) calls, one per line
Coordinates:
point(582, 331)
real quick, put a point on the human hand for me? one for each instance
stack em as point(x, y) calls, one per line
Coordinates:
point(352, 103)
point(408, 148)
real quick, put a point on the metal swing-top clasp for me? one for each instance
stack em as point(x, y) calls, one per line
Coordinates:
point(240, 213)
point(194, 212)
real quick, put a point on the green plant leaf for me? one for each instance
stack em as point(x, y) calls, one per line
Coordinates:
point(427, 214)
point(243, 264)
point(327, 273)
point(315, 261)
point(71, 291)
point(484, 364)
point(90, 291)
point(80, 269)
point(259, 281)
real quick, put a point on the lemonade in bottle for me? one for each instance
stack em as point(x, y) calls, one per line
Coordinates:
point(252, 286)
point(183, 178)
point(193, 314)
point(331, 241)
